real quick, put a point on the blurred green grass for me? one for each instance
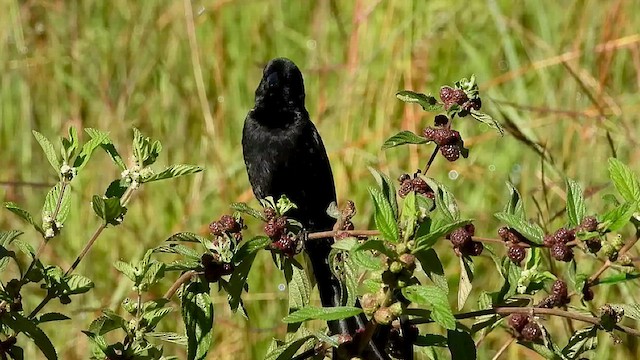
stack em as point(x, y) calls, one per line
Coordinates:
point(184, 72)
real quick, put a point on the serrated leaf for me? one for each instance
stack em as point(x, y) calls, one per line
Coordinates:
point(126, 269)
point(251, 247)
point(153, 317)
point(428, 102)
point(434, 297)
point(426, 241)
point(287, 350)
point(108, 147)
point(19, 323)
point(87, 150)
point(383, 216)
point(77, 284)
point(6, 238)
point(173, 172)
point(377, 245)
point(299, 287)
point(576, 209)
point(246, 209)
point(169, 337)
point(432, 266)
point(346, 244)
point(514, 206)
point(187, 237)
point(582, 340)
point(488, 120)
point(387, 187)
point(321, 313)
point(625, 181)
point(466, 277)
point(49, 151)
point(366, 260)
point(24, 215)
point(446, 205)
point(110, 210)
point(51, 202)
point(403, 138)
point(461, 345)
point(618, 217)
point(178, 249)
point(532, 232)
point(238, 280)
point(51, 316)
point(197, 314)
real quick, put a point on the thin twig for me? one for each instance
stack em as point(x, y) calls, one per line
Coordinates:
point(183, 279)
point(506, 310)
point(593, 280)
point(431, 159)
point(503, 349)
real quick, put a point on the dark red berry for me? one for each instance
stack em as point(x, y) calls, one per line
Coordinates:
point(230, 224)
point(564, 235)
point(589, 223)
point(474, 248)
point(587, 293)
point(459, 237)
point(269, 213)
point(227, 269)
point(503, 232)
point(516, 253)
point(405, 188)
point(442, 136)
point(216, 228)
point(594, 245)
point(420, 186)
point(549, 240)
point(206, 259)
point(440, 120)
point(286, 245)
point(450, 152)
point(428, 133)
point(474, 104)
point(518, 321)
point(452, 96)
point(560, 288)
point(561, 252)
point(549, 302)
point(404, 177)
point(471, 229)
point(273, 230)
point(531, 332)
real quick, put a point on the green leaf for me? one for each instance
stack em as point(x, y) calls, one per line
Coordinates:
point(153, 317)
point(466, 277)
point(144, 150)
point(298, 285)
point(461, 345)
point(431, 340)
point(426, 241)
point(366, 260)
point(624, 180)
point(19, 323)
point(188, 237)
point(70, 145)
point(346, 244)
point(384, 217)
point(446, 206)
point(403, 138)
point(178, 249)
point(238, 280)
point(618, 217)
point(173, 172)
point(6, 238)
point(88, 148)
point(287, 350)
point(387, 187)
point(99, 344)
point(436, 298)
point(514, 206)
point(432, 266)
point(246, 209)
point(197, 314)
point(428, 102)
point(582, 340)
point(77, 284)
point(321, 313)
point(107, 146)
point(110, 210)
point(24, 215)
point(126, 269)
point(617, 278)
point(251, 246)
point(51, 202)
point(576, 208)
point(377, 245)
point(49, 151)
point(488, 120)
point(52, 316)
point(533, 232)
point(632, 311)
point(169, 337)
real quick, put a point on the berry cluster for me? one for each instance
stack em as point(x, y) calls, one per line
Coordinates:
point(415, 183)
point(525, 327)
point(449, 141)
point(228, 225)
point(276, 230)
point(559, 296)
point(590, 224)
point(516, 252)
point(451, 96)
point(461, 239)
point(214, 269)
point(558, 243)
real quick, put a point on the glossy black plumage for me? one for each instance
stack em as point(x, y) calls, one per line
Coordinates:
point(284, 154)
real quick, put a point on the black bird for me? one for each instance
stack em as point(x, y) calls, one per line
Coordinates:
point(284, 155)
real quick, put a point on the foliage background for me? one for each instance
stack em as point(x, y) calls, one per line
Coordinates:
point(184, 72)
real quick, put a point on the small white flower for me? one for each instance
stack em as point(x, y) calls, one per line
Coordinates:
point(49, 233)
point(124, 174)
point(59, 225)
point(47, 218)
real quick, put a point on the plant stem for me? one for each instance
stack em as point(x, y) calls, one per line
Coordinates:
point(183, 279)
point(506, 310)
point(332, 233)
point(431, 159)
point(503, 349)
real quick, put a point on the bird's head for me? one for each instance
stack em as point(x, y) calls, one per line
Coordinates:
point(281, 86)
